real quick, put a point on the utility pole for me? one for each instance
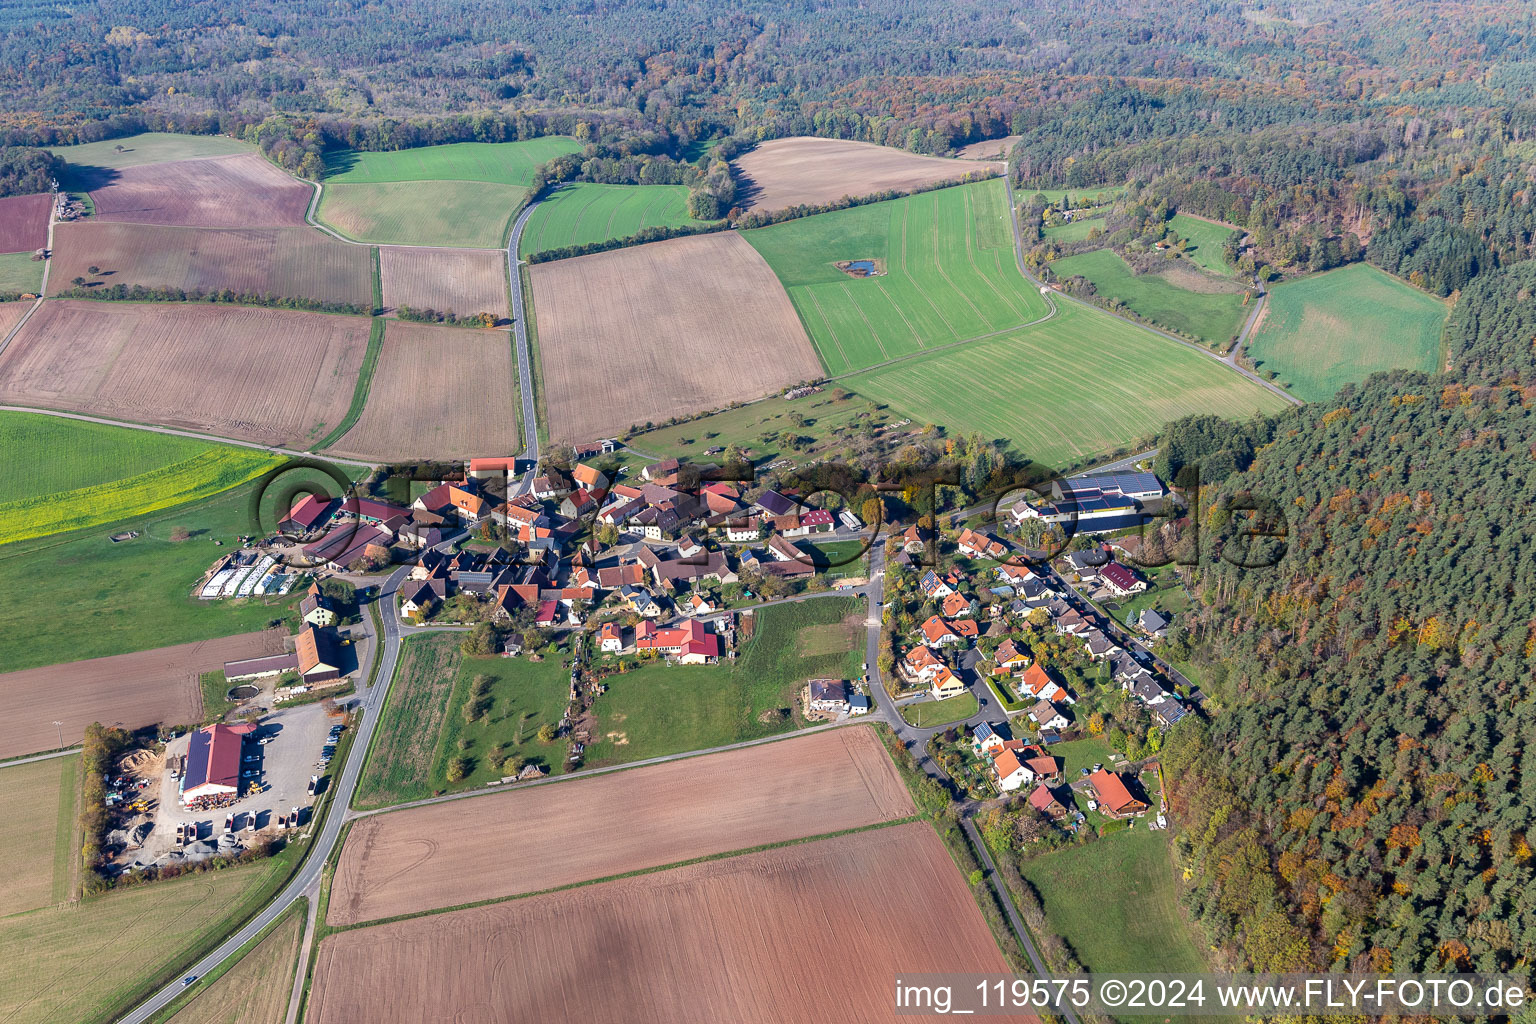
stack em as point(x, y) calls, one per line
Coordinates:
point(61, 732)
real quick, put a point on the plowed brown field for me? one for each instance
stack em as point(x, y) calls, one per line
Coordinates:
point(222, 192)
point(443, 855)
point(437, 393)
point(655, 331)
point(284, 262)
point(812, 932)
point(132, 690)
point(790, 172)
point(988, 149)
point(462, 281)
point(275, 376)
point(11, 314)
point(24, 222)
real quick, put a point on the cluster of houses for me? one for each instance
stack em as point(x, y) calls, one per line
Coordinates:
point(1016, 765)
point(1096, 503)
point(1016, 591)
point(685, 538)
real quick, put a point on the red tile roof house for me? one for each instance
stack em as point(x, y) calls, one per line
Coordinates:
point(1043, 800)
point(979, 545)
point(937, 632)
point(689, 643)
point(1114, 797)
point(213, 762)
point(611, 638)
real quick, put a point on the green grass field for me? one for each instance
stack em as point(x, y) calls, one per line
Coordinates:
point(929, 713)
point(523, 696)
point(1077, 386)
point(506, 163)
point(19, 272)
point(461, 194)
point(585, 212)
point(74, 475)
point(659, 709)
point(471, 214)
point(88, 597)
point(38, 806)
point(1115, 900)
point(86, 962)
point(949, 274)
point(1094, 196)
point(1075, 231)
point(150, 148)
point(1325, 331)
point(1211, 317)
point(1206, 242)
point(758, 426)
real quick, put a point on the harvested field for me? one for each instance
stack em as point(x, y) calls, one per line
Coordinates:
point(661, 330)
point(133, 690)
point(443, 855)
point(149, 148)
point(24, 222)
point(255, 990)
point(275, 376)
point(222, 192)
point(447, 213)
point(988, 149)
point(294, 262)
point(11, 314)
point(438, 393)
point(731, 940)
point(37, 804)
point(462, 281)
point(790, 172)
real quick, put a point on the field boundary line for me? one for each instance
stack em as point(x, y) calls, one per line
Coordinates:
point(214, 438)
point(636, 873)
point(360, 388)
point(587, 773)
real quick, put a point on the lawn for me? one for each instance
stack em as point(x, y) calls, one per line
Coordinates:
point(1211, 317)
point(89, 961)
point(949, 274)
point(256, 988)
point(1328, 330)
point(20, 273)
point(88, 597)
point(150, 148)
point(506, 163)
point(1079, 386)
point(1116, 902)
point(1206, 242)
point(839, 557)
point(659, 709)
point(928, 713)
point(522, 695)
point(38, 806)
point(1074, 197)
point(1076, 230)
point(585, 212)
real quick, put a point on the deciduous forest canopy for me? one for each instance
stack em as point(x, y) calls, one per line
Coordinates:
point(1360, 795)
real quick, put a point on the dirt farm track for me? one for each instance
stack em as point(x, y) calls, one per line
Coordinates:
point(267, 375)
point(655, 331)
point(779, 936)
point(133, 690)
point(811, 171)
point(222, 192)
point(443, 855)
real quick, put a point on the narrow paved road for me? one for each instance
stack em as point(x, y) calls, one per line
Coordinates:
point(520, 330)
point(42, 289)
point(306, 879)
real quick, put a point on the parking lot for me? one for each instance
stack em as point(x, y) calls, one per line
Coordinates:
point(282, 754)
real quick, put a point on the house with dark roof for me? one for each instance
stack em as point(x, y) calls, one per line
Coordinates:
point(1152, 623)
point(315, 608)
point(829, 695)
point(772, 503)
point(422, 596)
point(1121, 581)
point(1047, 716)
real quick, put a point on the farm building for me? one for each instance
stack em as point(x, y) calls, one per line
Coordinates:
point(213, 762)
point(318, 659)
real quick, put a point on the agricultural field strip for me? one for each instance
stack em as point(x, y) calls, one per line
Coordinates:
point(665, 813)
point(708, 941)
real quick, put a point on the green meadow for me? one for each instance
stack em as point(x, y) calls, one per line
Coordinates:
point(150, 148)
point(19, 272)
point(948, 274)
point(585, 212)
point(1080, 385)
point(1328, 330)
point(1206, 242)
point(1210, 317)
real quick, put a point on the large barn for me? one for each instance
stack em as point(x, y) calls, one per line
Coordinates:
point(213, 762)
